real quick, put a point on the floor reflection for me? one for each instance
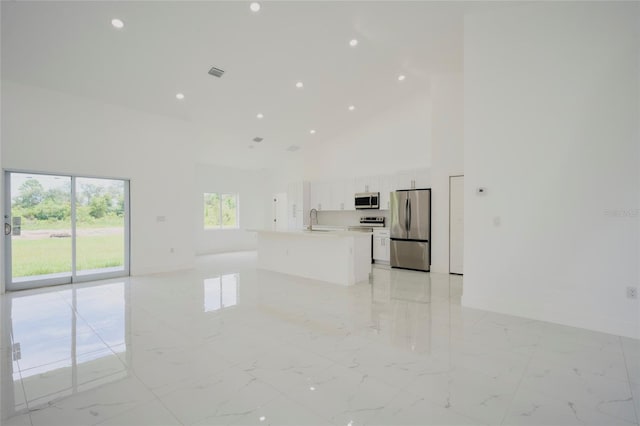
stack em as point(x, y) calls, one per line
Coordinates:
point(221, 292)
point(398, 350)
point(403, 304)
point(61, 342)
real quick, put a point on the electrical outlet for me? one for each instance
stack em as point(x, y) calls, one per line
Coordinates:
point(632, 292)
point(17, 353)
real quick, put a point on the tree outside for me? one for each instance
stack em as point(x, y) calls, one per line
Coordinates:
point(220, 211)
point(96, 206)
point(44, 205)
point(211, 210)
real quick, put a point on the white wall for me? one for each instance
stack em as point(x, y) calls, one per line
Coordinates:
point(392, 141)
point(46, 131)
point(551, 129)
point(290, 170)
point(447, 158)
point(254, 202)
point(2, 277)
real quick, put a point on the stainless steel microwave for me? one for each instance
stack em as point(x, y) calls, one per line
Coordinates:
point(367, 200)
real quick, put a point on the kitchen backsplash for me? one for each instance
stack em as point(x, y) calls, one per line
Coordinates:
point(348, 218)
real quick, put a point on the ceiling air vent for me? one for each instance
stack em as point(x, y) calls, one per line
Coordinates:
point(258, 139)
point(293, 148)
point(216, 72)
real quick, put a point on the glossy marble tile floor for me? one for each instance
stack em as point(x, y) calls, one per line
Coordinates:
point(226, 344)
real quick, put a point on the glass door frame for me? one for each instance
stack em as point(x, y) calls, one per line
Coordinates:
point(73, 276)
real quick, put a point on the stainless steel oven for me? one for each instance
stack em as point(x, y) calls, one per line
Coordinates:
point(366, 225)
point(367, 200)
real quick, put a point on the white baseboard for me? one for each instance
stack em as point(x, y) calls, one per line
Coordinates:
point(602, 324)
point(160, 269)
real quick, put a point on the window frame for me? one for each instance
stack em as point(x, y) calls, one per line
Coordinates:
point(220, 196)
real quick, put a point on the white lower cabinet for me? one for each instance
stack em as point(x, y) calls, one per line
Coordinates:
point(381, 246)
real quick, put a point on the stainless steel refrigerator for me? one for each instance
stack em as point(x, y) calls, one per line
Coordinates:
point(411, 229)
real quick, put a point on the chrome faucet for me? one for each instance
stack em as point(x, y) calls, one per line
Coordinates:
point(310, 227)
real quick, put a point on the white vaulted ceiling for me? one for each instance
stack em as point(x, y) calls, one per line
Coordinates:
point(168, 47)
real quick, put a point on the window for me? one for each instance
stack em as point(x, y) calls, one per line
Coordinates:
point(221, 211)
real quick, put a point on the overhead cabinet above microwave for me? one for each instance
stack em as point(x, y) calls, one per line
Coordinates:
point(367, 200)
point(338, 194)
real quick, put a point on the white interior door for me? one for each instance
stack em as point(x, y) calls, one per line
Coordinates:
point(456, 224)
point(280, 212)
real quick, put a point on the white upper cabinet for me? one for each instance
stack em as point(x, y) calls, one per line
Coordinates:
point(333, 195)
point(294, 195)
point(423, 178)
point(349, 192)
point(294, 205)
point(342, 195)
point(413, 179)
point(298, 204)
point(404, 180)
point(337, 195)
point(335, 198)
point(386, 187)
point(314, 195)
point(367, 184)
point(321, 196)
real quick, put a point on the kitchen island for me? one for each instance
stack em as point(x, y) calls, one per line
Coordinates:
point(339, 257)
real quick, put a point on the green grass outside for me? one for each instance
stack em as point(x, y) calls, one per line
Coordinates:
point(103, 222)
point(53, 255)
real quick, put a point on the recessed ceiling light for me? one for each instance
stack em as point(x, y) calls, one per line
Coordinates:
point(299, 85)
point(313, 132)
point(180, 96)
point(401, 77)
point(255, 6)
point(353, 43)
point(352, 107)
point(260, 115)
point(117, 23)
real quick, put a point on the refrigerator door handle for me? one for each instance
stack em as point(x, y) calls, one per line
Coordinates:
point(409, 215)
point(406, 215)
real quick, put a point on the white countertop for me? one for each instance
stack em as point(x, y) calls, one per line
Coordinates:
point(321, 233)
point(331, 227)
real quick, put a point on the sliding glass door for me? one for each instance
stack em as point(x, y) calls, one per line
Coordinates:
point(40, 228)
point(100, 225)
point(63, 229)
